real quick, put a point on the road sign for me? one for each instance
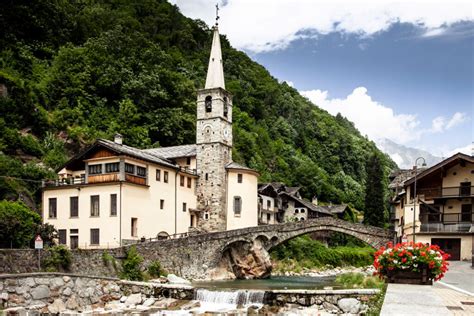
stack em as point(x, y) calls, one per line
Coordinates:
point(38, 242)
point(404, 238)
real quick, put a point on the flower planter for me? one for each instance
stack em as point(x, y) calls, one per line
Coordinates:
point(410, 277)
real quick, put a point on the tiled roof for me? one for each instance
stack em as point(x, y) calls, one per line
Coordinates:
point(234, 165)
point(135, 152)
point(307, 204)
point(173, 151)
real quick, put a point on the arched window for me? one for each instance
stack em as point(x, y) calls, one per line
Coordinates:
point(297, 211)
point(302, 210)
point(226, 107)
point(302, 219)
point(237, 205)
point(208, 103)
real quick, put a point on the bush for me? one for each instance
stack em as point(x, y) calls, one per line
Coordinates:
point(314, 254)
point(17, 224)
point(59, 259)
point(131, 266)
point(155, 269)
point(109, 260)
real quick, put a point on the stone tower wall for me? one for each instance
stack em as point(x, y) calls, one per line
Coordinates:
point(214, 152)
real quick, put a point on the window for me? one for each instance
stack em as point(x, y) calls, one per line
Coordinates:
point(184, 207)
point(95, 239)
point(113, 205)
point(112, 167)
point(53, 207)
point(208, 104)
point(165, 176)
point(129, 168)
point(95, 206)
point(206, 216)
point(302, 210)
point(74, 242)
point(297, 211)
point(189, 182)
point(74, 206)
point(268, 217)
point(269, 204)
point(226, 107)
point(188, 161)
point(158, 175)
point(181, 181)
point(162, 204)
point(237, 205)
point(95, 169)
point(62, 236)
point(239, 177)
point(141, 171)
point(207, 177)
point(134, 227)
point(74, 231)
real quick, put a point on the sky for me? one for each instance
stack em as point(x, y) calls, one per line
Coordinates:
point(401, 70)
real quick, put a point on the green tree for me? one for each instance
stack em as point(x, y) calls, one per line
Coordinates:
point(18, 224)
point(374, 213)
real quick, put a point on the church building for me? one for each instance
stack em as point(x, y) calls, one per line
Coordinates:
point(111, 193)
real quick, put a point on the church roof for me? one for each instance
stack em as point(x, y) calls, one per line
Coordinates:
point(215, 71)
point(234, 165)
point(174, 151)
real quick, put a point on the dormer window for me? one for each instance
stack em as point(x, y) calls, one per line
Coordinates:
point(208, 104)
point(226, 107)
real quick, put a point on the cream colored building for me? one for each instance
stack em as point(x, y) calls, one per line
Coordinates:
point(443, 211)
point(112, 193)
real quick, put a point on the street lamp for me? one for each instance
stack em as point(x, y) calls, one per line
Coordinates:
point(416, 197)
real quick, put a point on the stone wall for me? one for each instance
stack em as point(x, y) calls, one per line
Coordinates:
point(56, 292)
point(59, 292)
point(334, 301)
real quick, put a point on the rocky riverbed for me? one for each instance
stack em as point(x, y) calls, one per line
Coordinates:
point(327, 271)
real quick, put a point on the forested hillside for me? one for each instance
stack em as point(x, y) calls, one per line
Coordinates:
point(79, 70)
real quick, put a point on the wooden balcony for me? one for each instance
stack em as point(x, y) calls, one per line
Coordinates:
point(94, 179)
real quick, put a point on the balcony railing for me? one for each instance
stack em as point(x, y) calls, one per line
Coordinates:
point(63, 182)
point(447, 218)
point(446, 192)
point(188, 170)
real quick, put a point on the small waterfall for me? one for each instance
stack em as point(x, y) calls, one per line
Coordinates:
point(237, 298)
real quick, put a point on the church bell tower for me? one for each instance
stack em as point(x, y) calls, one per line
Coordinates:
point(214, 143)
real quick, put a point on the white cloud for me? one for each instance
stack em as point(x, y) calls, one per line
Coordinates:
point(370, 117)
point(379, 121)
point(267, 25)
point(457, 119)
point(468, 150)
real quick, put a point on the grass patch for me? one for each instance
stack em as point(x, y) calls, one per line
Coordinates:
point(359, 281)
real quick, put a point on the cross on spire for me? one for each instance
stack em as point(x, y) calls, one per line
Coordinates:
point(217, 14)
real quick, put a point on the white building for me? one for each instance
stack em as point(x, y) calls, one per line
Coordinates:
point(112, 193)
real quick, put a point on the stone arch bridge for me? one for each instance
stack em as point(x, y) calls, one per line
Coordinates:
point(243, 253)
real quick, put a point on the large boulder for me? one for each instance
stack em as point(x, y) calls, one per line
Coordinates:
point(134, 299)
point(174, 279)
point(248, 260)
point(57, 306)
point(349, 305)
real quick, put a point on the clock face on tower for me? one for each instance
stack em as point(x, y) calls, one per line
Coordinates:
point(226, 133)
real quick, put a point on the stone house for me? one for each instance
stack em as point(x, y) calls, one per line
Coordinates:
point(442, 207)
point(279, 203)
point(112, 193)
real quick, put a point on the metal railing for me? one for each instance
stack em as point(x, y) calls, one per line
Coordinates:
point(188, 170)
point(447, 218)
point(458, 191)
point(63, 182)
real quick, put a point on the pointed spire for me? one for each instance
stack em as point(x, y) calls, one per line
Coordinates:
point(215, 72)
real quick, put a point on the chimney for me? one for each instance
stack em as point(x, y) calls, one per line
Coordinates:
point(118, 138)
point(315, 200)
